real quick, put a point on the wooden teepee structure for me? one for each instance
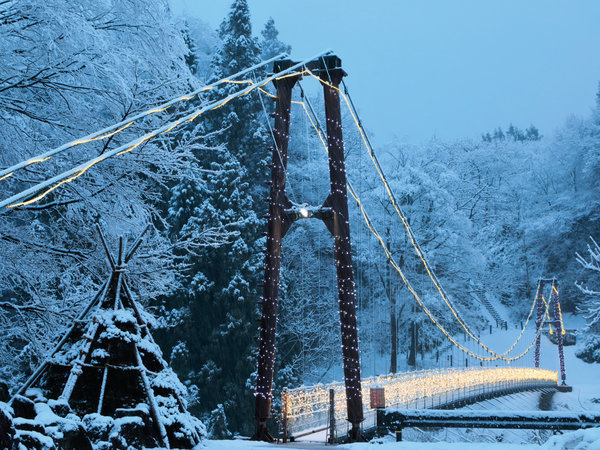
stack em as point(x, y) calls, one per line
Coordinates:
point(108, 369)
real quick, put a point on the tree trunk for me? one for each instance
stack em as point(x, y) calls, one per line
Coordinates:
point(394, 338)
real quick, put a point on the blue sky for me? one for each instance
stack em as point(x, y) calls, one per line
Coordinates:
point(450, 69)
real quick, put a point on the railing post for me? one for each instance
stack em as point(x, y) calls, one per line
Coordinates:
point(284, 407)
point(331, 438)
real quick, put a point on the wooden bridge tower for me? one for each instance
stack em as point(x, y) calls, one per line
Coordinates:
point(334, 213)
point(557, 322)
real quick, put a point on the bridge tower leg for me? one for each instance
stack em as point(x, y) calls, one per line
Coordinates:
point(538, 321)
point(559, 331)
point(278, 224)
point(339, 225)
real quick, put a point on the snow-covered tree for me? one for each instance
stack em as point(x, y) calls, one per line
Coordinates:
point(217, 296)
point(589, 350)
point(68, 68)
point(444, 237)
point(202, 42)
point(271, 45)
point(243, 121)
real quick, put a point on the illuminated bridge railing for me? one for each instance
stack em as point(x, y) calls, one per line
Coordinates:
point(306, 409)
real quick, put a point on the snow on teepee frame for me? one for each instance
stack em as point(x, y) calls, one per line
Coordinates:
point(108, 364)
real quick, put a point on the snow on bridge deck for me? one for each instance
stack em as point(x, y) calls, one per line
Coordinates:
point(398, 419)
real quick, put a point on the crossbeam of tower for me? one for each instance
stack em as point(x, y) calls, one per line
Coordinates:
point(334, 213)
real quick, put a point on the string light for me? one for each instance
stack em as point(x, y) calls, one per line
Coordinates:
point(103, 134)
point(562, 326)
point(76, 172)
point(435, 321)
point(307, 407)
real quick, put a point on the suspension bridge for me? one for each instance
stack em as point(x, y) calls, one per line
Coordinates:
point(357, 402)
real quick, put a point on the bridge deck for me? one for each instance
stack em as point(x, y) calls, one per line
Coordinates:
point(307, 410)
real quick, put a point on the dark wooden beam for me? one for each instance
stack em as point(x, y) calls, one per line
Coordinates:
point(339, 225)
point(533, 420)
point(278, 223)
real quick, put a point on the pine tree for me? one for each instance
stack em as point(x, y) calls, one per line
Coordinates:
point(499, 135)
point(243, 121)
point(217, 295)
point(271, 45)
point(532, 134)
point(190, 57)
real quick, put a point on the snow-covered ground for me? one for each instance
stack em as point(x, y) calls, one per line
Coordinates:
point(577, 440)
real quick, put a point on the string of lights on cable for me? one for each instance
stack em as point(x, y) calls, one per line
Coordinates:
point(496, 356)
point(405, 222)
point(453, 340)
point(66, 177)
point(116, 128)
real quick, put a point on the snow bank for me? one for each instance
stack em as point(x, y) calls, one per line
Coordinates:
point(577, 440)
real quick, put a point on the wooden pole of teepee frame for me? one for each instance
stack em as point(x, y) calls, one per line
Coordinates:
point(102, 390)
point(90, 335)
point(119, 271)
point(35, 375)
point(109, 256)
point(136, 244)
point(153, 405)
point(77, 368)
point(144, 327)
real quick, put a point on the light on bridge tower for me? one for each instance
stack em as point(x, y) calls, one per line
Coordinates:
point(543, 309)
point(334, 214)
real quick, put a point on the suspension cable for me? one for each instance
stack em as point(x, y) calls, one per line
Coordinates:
point(398, 210)
point(316, 125)
point(70, 175)
point(124, 124)
point(422, 305)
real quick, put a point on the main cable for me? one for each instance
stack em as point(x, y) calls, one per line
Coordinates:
point(320, 133)
point(70, 175)
point(124, 124)
point(398, 210)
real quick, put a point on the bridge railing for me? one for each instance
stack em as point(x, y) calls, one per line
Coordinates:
point(307, 409)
